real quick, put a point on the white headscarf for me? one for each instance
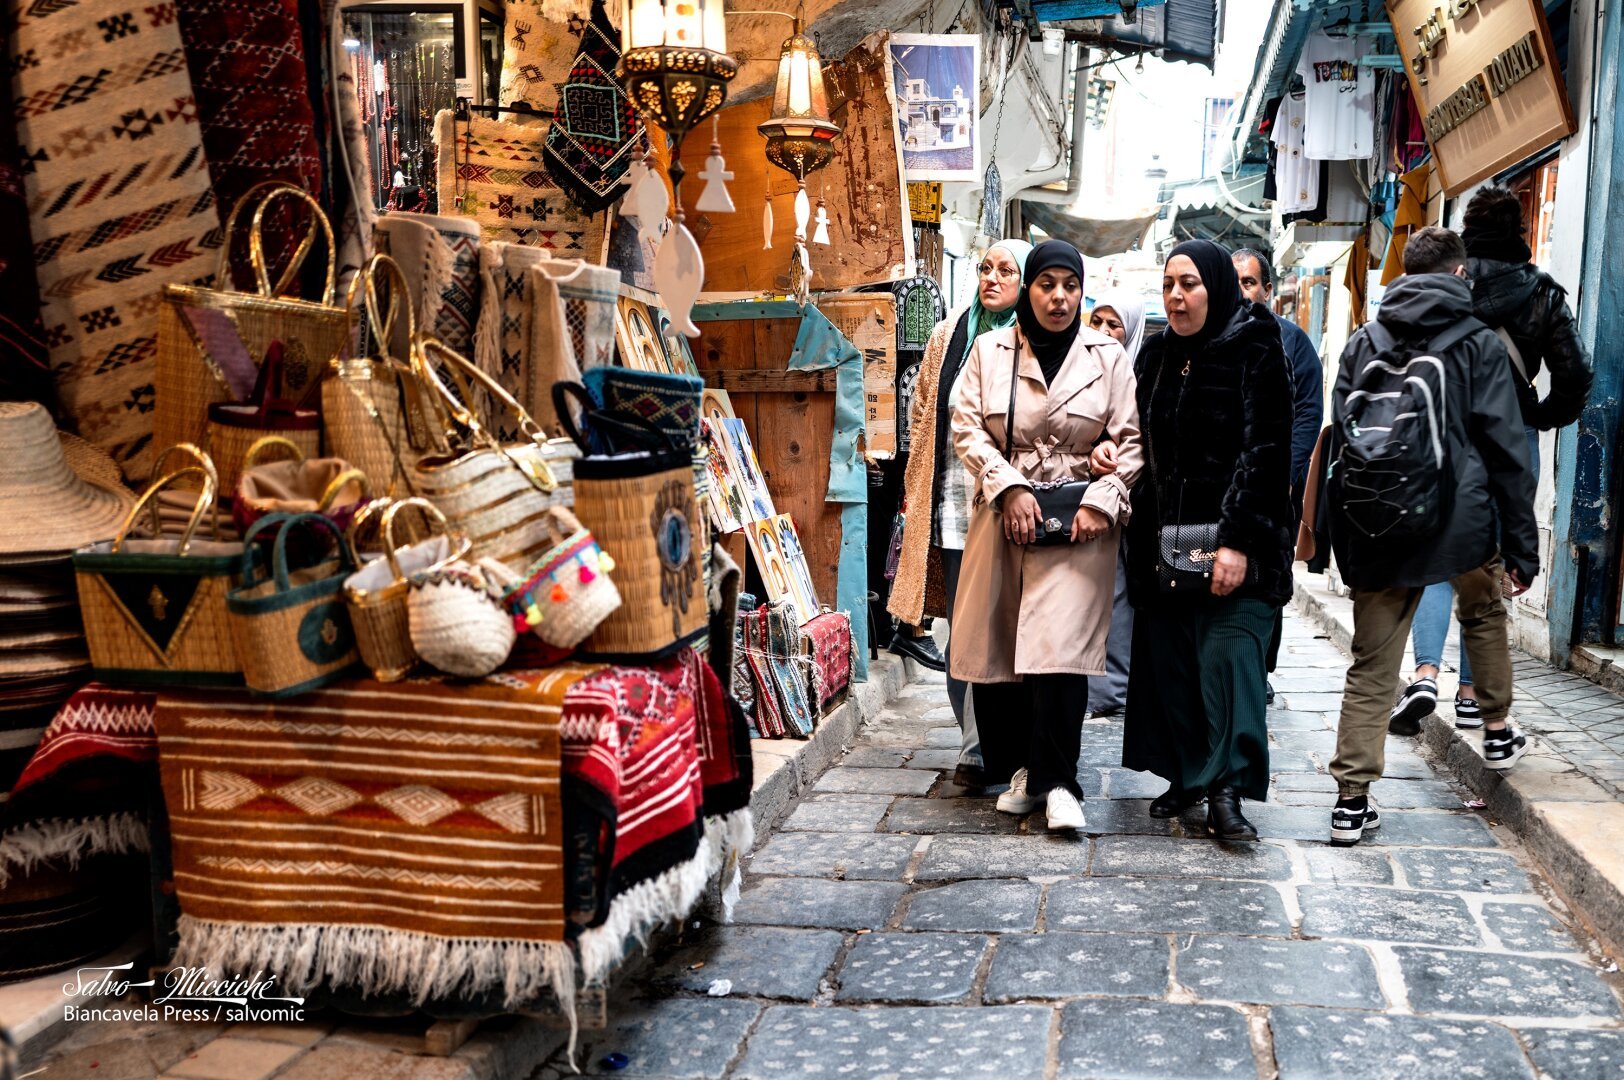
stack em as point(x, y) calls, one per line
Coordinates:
point(1131, 310)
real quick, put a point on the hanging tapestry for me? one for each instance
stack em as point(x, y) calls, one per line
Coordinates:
point(248, 74)
point(119, 200)
point(492, 171)
point(24, 373)
point(538, 51)
point(595, 128)
point(440, 258)
point(419, 821)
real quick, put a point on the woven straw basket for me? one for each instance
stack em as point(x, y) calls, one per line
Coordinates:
point(567, 592)
point(376, 593)
point(209, 339)
point(154, 610)
point(457, 621)
point(292, 632)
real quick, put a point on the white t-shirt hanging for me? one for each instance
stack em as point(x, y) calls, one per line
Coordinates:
point(1340, 120)
point(1296, 179)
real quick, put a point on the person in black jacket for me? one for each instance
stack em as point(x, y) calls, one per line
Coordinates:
point(1488, 483)
point(1529, 310)
point(1215, 405)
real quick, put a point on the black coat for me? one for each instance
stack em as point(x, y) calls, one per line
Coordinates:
point(1492, 484)
point(1532, 308)
point(1220, 437)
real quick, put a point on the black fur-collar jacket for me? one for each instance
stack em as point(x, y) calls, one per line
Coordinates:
point(1218, 448)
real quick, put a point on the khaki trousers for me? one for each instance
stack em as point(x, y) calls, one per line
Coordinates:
point(1381, 626)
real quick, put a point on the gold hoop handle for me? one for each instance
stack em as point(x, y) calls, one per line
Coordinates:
point(152, 490)
point(352, 536)
point(203, 461)
point(454, 551)
point(339, 483)
point(260, 192)
point(400, 296)
point(256, 243)
point(461, 410)
point(267, 442)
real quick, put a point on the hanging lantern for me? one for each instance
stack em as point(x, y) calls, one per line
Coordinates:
point(800, 136)
point(675, 66)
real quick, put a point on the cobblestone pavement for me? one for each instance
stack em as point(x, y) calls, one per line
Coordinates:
point(896, 926)
point(1574, 718)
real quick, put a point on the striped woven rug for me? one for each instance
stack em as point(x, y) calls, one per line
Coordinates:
point(405, 837)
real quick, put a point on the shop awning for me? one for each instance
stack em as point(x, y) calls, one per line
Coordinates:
point(1176, 29)
point(1096, 237)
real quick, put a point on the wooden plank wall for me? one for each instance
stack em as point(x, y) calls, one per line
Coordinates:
point(791, 428)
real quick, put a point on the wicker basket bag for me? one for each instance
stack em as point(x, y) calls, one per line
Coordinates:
point(210, 340)
point(376, 593)
point(567, 592)
point(291, 631)
point(497, 495)
point(155, 609)
point(457, 620)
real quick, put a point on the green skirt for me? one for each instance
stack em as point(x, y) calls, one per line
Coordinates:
point(1197, 694)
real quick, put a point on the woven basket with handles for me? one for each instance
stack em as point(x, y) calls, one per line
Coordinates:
point(376, 593)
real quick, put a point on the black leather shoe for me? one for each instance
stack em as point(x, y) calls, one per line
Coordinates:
point(921, 650)
point(1173, 802)
point(1268, 693)
point(970, 776)
point(1224, 817)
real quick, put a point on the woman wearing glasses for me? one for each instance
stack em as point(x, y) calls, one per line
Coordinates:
point(936, 489)
point(1034, 599)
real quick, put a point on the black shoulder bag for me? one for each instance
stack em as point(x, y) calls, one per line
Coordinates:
point(1187, 551)
point(1058, 500)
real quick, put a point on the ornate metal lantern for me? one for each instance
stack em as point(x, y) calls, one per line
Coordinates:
point(800, 136)
point(675, 66)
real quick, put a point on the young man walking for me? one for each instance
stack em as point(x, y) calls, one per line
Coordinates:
point(1428, 467)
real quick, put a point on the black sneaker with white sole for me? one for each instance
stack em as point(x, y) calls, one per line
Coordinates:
point(1468, 713)
point(1418, 700)
point(1351, 816)
point(1503, 748)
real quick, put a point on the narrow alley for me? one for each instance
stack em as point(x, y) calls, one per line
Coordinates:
point(895, 926)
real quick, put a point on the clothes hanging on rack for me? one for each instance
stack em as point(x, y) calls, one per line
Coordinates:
point(1338, 117)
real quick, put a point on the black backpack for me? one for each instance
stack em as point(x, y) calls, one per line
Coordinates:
point(1391, 478)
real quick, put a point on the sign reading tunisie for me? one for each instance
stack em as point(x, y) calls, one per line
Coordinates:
point(1486, 80)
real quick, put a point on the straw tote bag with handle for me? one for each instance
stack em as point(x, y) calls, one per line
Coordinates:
point(376, 593)
point(291, 631)
point(210, 339)
point(373, 407)
point(154, 610)
point(642, 507)
point(235, 428)
point(298, 485)
point(496, 494)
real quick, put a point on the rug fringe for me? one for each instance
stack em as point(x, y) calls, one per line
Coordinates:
point(68, 841)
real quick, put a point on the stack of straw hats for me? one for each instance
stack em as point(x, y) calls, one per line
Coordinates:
point(59, 493)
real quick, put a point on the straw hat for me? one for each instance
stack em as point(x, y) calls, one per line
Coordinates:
point(60, 493)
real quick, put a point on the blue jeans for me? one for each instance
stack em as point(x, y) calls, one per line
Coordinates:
point(1431, 626)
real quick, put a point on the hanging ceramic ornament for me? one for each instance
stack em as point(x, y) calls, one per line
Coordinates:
point(800, 275)
point(767, 222)
point(822, 235)
point(647, 201)
point(803, 213)
point(679, 272)
point(715, 198)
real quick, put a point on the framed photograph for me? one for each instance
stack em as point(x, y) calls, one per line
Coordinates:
point(725, 496)
point(938, 87)
point(758, 502)
point(679, 355)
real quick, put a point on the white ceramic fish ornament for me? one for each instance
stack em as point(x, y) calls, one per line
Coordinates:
point(803, 212)
point(767, 223)
point(647, 201)
point(679, 272)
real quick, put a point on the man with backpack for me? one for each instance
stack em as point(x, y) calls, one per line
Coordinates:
point(1427, 466)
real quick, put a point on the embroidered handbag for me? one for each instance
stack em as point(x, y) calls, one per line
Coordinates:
point(642, 506)
point(1058, 500)
point(828, 643)
point(494, 493)
point(457, 620)
point(154, 610)
point(291, 631)
point(568, 591)
point(376, 593)
point(209, 339)
point(669, 402)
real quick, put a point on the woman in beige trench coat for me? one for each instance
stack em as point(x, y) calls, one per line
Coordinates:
point(1030, 621)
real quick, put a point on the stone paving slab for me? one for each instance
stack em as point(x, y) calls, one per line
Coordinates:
point(875, 781)
point(1123, 817)
point(671, 1039)
point(997, 905)
point(903, 967)
point(944, 759)
point(1153, 856)
point(838, 813)
point(1373, 914)
point(921, 1042)
point(839, 855)
point(1166, 906)
point(955, 857)
point(1427, 828)
point(774, 962)
point(1347, 866)
point(841, 905)
point(950, 816)
point(1121, 1039)
point(1496, 984)
point(1527, 928)
point(1312, 1044)
point(874, 757)
point(1463, 871)
point(1066, 965)
point(1576, 1055)
point(1333, 974)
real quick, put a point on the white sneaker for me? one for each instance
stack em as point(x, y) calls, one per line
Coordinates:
point(1016, 800)
point(1064, 811)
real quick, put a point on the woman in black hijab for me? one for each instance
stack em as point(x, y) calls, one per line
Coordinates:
point(1215, 407)
point(1034, 600)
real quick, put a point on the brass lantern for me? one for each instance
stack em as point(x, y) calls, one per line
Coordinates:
point(674, 64)
point(800, 135)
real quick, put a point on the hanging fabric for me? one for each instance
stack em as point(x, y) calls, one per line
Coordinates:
point(595, 128)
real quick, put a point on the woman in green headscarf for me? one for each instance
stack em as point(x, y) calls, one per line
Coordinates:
point(936, 488)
